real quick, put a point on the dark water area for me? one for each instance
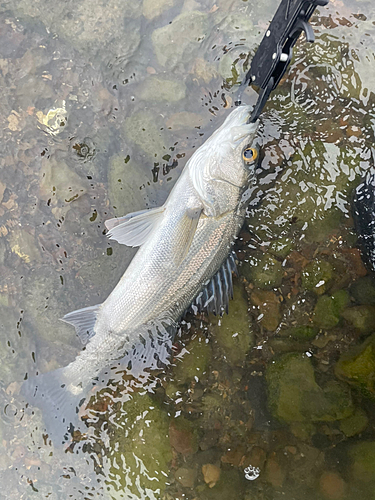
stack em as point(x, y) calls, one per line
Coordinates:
point(101, 105)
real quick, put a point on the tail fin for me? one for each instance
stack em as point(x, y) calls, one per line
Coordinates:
point(59, 406)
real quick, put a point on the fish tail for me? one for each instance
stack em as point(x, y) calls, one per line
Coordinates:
point(50, 393)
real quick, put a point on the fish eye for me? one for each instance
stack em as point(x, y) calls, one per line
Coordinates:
point(249, 155)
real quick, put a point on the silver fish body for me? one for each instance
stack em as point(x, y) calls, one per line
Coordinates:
point(182, 245)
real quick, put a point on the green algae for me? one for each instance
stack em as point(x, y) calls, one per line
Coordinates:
point(316, 276)
point(141, 452)
point(329, 308)
point(264, 271)
point(361, 317)
point(232, 332)
point(357, 366)
point(294, 395)
point(194, 363)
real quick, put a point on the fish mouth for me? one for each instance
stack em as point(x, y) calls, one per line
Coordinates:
point(240, 128)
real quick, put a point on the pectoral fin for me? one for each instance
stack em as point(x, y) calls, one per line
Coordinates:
point(188, 227)
point(133, 229)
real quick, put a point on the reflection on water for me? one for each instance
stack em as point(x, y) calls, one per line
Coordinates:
point(102, 103)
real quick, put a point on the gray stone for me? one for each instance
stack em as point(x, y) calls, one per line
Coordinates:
point(153, 8)
point(158, 89)
point(179, 41)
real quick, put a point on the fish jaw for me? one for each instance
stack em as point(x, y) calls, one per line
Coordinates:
point(220, 159)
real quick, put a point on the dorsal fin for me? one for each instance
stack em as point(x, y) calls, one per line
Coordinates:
point(83, 321)
point(133, 229)
point(215, 295)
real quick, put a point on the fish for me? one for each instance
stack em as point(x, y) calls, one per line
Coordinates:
point(185, 258)
point(363, 211)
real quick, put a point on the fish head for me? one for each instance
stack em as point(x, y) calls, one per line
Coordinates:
point(223, 165)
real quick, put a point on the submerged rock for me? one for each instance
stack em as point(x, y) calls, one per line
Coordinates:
point(363, 290)
point(357, 367)
point(22, 243)
point(152, 8)
point(264, 271)
point(361, 317)
point(125, 183)
point(362, 457)
point(355, 424)
point(183, 437)
point(329, 308)
point(141, 452)
point(159, 89)
point(232, 332)
point(230, 483)
point(194, 363)
point(146, 131)
point(59, 183)
point(316, 276)
point(268, 304)
point(294, 395)
point(179, 41)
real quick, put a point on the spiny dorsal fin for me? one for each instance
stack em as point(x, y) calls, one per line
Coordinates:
point(133, 229)
point(215, 295)
point(83, 321)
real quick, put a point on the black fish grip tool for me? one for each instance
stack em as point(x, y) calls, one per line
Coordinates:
point(276, 49)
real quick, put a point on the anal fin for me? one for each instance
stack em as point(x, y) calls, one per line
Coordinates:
point(83, 321)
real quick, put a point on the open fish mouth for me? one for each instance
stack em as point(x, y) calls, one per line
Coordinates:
point(234, 129)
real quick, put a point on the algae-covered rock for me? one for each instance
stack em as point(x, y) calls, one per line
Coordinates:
point(299, 202)
point(152, 8)
point(329, 308)
point(125, 183)
point(194, 363)
point(361, 317)
point(302, 333)
point(357, 367)
point(264, 271)
point(159, 89)
point(316, 276)
point(355, 424)
point(59, 183)
point(281, 247)
point(204, 70)
point(232, 332)
point(180, 40)
point(141, 451)
point(294, 395)
point(362, 457)
point(268, 305)
point(22, 243)
point(363, 290)
point(146, 131)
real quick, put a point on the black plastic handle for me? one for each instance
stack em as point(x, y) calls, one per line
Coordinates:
point(276, 49)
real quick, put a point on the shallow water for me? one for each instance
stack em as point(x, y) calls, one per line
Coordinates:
point(100, 109)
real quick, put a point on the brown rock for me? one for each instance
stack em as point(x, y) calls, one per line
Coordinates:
point(269, 307)
point(186, 477)
point(332, 486)
point(182, 437)
point(211, 474)
point(274, 473)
